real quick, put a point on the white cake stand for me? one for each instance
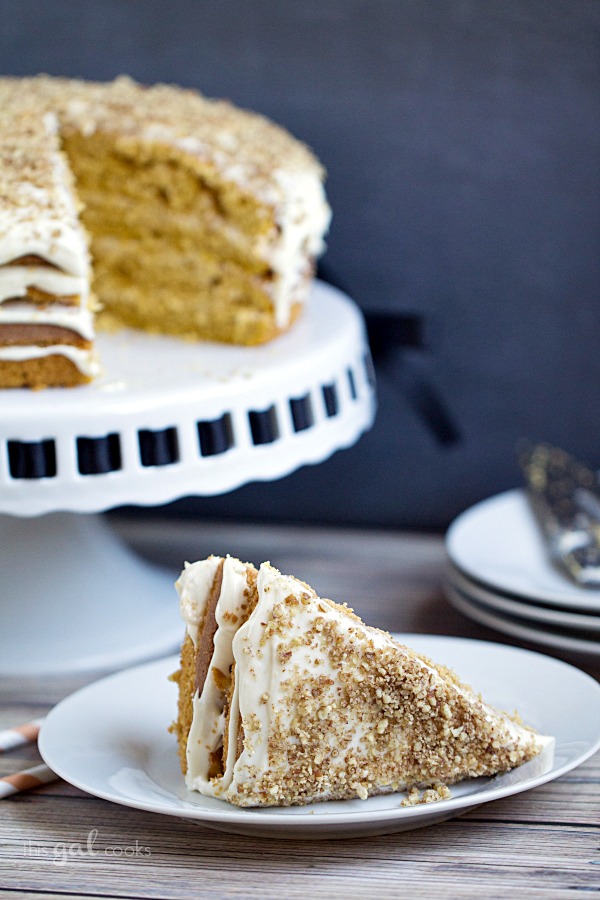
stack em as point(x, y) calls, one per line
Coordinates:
point(167, 419)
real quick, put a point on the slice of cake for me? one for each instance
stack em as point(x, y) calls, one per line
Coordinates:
point(205, 220)
point(46, 325)
point(286, 698)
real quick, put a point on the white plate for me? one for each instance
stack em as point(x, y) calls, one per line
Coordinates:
point(110, 739)
point(533, 633)
point(535, 613)
point(498, 543)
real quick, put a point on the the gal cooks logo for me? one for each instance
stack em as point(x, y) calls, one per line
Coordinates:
point(63, 852)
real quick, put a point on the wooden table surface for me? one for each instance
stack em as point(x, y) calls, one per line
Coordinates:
point(545, 842)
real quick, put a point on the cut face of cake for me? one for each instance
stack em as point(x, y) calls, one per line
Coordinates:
point(286, 698)
point(204, 220)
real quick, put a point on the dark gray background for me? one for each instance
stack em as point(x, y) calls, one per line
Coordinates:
point(462, 144)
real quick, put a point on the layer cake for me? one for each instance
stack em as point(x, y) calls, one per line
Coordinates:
point(204, 221)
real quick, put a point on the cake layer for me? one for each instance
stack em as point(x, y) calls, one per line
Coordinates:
point(153, 229)
point(194, 296)
point(42, 367)
point(38, 283)
point(30, 259)
point(39, 335)
point(106, 163)
point(25, 315)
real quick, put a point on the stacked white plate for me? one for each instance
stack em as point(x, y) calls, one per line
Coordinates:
point(500, 574)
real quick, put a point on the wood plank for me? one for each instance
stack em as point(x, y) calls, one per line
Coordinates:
point(470, 854)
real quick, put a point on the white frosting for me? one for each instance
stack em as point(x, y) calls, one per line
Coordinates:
point(75, 318)
point(54, 232)
point(193, 587)
point(46, 224)
point(260, 675)
point(85, 360)
point(304, 218)
point(14, 281)
point(208, 722)
point(262, 682)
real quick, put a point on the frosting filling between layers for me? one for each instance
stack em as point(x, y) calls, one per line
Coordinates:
point(193, 586)
point(73, 318)
point(15, 280)
point(55, 323)
point(207, 734)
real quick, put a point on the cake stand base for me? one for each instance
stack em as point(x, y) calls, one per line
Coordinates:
point(74, 598)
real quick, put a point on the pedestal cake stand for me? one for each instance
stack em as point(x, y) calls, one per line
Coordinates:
point(167, 419)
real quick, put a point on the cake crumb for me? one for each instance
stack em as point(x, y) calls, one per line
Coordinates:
point(431, 795)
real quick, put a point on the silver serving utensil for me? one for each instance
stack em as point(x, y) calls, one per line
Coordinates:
point(565, 497)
